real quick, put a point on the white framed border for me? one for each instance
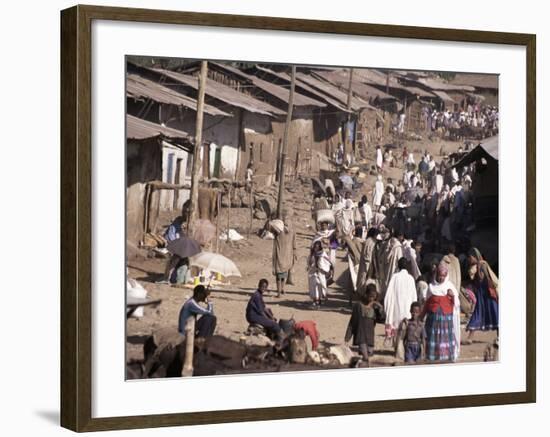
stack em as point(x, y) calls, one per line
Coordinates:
point(113, 396)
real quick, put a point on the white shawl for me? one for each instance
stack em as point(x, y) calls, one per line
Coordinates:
point(379, 159)
point(436, 289)
point(410, 254)
point(401, 293)
point(378, 193)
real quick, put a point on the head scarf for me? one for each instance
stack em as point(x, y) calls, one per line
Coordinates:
point(475, 253)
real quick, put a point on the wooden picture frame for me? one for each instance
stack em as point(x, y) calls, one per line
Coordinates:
point(76, 223)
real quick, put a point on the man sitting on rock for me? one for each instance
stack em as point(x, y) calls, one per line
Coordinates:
point(258, 314)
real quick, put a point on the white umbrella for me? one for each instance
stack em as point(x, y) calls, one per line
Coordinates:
point(215, 263)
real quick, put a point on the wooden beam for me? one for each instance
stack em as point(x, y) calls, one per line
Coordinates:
point(285, 142)
point(193, 206)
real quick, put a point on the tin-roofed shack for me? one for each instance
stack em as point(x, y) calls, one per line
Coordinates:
point(485, 180)
point(153, 153)
point(485, 86)
point(369, 119)
point(318, 131)
point(330, 125)
point(261, 145)
point(223, 136)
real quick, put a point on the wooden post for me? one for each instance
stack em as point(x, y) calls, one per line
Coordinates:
point(285, 142)
point(408, 119)
point(404, 112)
point(350, 88)
point(157, 212)
point(250, 198)
point(219, 209)
point(194, 197)
point(146, 206)
point(228, 209)
point(349, 109)
point(187, 369)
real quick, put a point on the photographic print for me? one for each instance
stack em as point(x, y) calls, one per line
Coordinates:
point(294, 217)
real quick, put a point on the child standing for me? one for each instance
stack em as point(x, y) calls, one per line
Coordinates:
point(411, 336)
point(364, 316)
point(318, 267)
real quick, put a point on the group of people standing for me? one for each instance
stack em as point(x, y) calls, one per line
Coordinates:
point(403, 265)
point(481, 119)
point(397, 277)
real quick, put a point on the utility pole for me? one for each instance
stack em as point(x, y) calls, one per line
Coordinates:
point(195, 176)
point(349, 88)
point(388, 82)
point(285, 142)
point(348, 140)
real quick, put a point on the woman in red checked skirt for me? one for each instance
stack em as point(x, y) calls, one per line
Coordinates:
point(442, 310)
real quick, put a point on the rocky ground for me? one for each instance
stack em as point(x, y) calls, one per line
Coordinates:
point(253, 257)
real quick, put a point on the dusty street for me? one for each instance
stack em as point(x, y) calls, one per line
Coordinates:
point(253, 258)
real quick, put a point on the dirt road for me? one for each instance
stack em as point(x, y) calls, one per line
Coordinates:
point(253, 257)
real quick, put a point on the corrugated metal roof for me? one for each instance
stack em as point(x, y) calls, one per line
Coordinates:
point(340, 78)
point(443, 96)
point(140, 129)
point(408, 74)
point(442, 86)
point(224, 93)
point(303, 85)
point(419, 91)
point(138, 87)
point(478, 80)
point(375, 77)
point(332, 91)
point(275, 90)
point(380, 79)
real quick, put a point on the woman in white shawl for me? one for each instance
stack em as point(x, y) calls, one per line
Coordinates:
point(442, 310)
point(379, 158)
point(378, 192)
point(400, 294)
point(345, 223)
point(409, 252)
point(318, 267)
point(338, 204)
point(366, 212)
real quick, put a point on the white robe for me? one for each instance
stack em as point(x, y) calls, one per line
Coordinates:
point(322, 235)
point(401, 293)
point(379, 158)
point(317, 281)
point(378, 193)
point(410, 254)
point(454, 175)
point(367, 214)
point(345, 222)
point(337, 206)
point(436, 289)
point(438, 183)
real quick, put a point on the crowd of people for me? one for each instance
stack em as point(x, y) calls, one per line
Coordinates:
point(476, 120)
point(409, 266)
